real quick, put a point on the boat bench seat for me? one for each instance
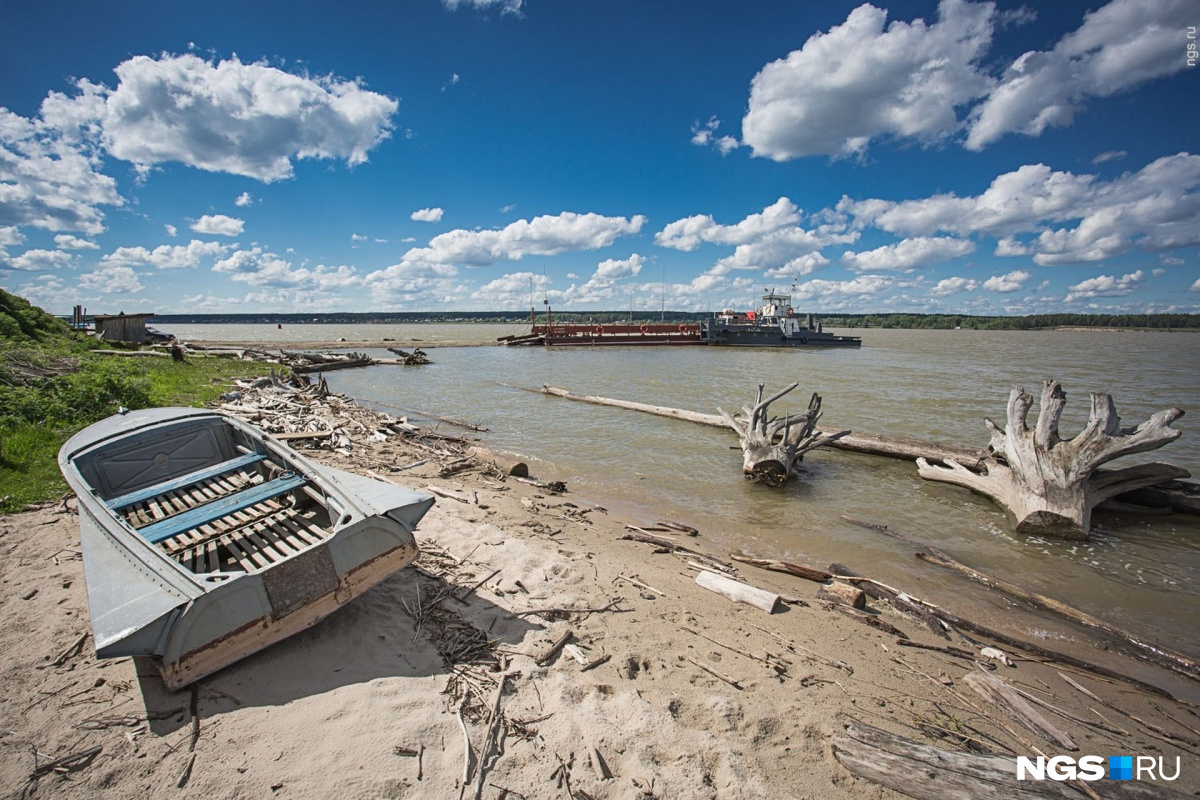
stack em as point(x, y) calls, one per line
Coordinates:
point(125, 500)
point(229, 504)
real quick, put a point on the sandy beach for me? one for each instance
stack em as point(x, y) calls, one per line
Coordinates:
point(658, 688)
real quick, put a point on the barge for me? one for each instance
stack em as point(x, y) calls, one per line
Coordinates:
point(774, 324)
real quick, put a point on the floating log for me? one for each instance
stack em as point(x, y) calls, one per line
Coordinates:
point(1109, 634)
point(771, 447)
point(1182, 497)
point(738, 592)
point(871, 443)
point(1046, 482)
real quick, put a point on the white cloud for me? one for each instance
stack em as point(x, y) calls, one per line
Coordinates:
point(1195, 286)
point(66, 241)
point(1106, 286)
point(427, 215)
point(864, 287)
point(244, 119)
point(541, 236)
point(690, 232)
point(612, 269)
point(110, 280)
point(39, 260)
point(172, 231)
point(1154, 208)
point(165, 256)
point(244, 199)
point(909, 254)
point(505, 6)
point(862, 80)
point(1118, 46)
point(1110, 155)
point(47, 178)
point(1004, 284)
point(258, 267)
point(219, 225)
point(950, 286)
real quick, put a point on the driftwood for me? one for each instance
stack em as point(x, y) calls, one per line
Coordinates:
point(738, 592)
point(771, 447)
point(1006, 697)
point(838, 592)
point(1048, 483)
point(871, 443)
point(925, 772)
point(1109, 634)
point(1181, 497)
point(897, 599)
point(416, 357)
point(790, 567)
point(304, 363)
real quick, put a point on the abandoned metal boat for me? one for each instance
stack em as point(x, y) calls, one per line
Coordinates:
point(774, 324)
point(205, 540)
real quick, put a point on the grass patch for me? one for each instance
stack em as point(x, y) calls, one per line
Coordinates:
point(46, 397)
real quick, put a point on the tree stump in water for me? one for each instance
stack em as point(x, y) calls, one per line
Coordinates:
point(771, 447)
point(1051, 485)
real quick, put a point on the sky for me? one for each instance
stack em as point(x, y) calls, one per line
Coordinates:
point(455, 155)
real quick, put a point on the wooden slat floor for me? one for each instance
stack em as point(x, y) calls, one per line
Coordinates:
point(244, 541)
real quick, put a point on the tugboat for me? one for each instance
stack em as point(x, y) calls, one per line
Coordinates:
point(774, 324)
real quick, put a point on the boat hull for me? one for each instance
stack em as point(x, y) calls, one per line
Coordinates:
point(205, 540)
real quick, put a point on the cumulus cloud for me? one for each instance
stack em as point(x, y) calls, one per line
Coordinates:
point(1154, 208)
point(219, 225)
point(949, 286)
point(1107, 286)
point(1118, 46)
point(909, 254)
point(66, 241)
point(165, 256)
point(505, 6)
point(244, 199)
point(428, 215)
point(1004, 284)
point(111, 280)
point(773, 241)
point(705, 135)
point(541, 236)
point(1195, 286)
point(48, 179)
point(39, 260)
point(258, 267)
point(244, 119)
point(864, 79)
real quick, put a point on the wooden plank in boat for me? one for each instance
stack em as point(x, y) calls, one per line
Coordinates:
point(165, 529)
point(184, 480)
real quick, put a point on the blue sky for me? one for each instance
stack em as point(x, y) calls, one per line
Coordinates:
point(444, 155)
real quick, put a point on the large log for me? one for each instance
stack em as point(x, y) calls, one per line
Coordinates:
point(902, 447)
point(771, 447)
point(1048, 483)
point(1180, 496)
point(926, 772)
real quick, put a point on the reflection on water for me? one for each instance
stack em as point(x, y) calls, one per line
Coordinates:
point(1138, 572)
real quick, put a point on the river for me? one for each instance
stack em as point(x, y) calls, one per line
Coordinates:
point(1138, 571)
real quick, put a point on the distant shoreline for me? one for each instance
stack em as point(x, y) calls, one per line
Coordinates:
point(325, 344)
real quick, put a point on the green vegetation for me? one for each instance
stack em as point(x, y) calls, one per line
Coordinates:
point(52, 385)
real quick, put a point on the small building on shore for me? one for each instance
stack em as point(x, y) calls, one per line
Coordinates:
point(122, 327)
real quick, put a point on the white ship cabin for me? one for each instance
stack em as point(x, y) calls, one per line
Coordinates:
point(776, 310)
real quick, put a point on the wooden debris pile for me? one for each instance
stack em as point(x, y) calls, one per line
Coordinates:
point(305, 363)
point(308, 415)
point(416, 357)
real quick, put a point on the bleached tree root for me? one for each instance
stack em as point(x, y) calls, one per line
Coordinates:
point(1050, 485)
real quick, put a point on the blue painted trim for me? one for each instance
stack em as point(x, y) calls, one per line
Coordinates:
point(124, 500)
point(165, 529)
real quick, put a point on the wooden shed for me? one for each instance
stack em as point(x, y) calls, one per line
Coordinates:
point(122, 327)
